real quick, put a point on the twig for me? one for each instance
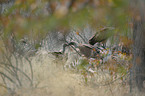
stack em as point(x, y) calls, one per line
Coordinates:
point(19, 71)
point(75, 50)
point(8, 78)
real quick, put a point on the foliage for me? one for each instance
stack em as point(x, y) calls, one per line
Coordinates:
point(26, 17)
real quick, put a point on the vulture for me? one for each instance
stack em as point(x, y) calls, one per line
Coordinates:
point(89, 50)
point(85, 49)
point(101, 36)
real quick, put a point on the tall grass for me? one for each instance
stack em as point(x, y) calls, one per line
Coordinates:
point(50, 79)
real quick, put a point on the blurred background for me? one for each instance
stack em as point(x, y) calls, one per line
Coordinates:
point(72, 47)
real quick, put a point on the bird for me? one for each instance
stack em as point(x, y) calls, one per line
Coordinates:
point(85, 49)
point(101, 36)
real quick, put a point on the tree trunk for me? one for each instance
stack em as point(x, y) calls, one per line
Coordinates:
point(139, 44)
point(139, 54)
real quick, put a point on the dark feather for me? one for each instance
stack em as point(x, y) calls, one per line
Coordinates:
point(100, 36)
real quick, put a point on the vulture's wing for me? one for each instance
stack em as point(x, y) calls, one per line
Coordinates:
point(101, 36)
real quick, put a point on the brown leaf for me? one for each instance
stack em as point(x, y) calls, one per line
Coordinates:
point(77, 33)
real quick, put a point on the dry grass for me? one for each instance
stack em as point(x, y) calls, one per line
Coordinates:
point(50, 79)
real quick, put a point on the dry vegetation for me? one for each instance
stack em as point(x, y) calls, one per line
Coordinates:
point(50, 79)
